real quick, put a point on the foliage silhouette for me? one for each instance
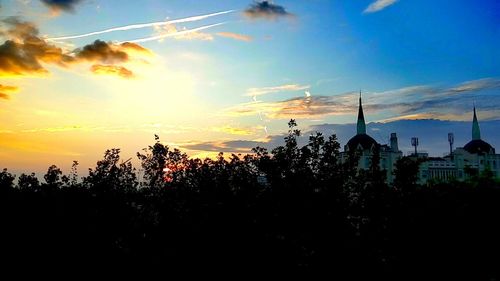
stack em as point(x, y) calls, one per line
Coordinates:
point(292, 208)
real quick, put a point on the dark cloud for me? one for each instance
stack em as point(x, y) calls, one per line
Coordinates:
point(115, 70)
point(62, 5)
point(15, 62)
point(432, 133)
point(236, 146)
point(18, 29)
point(265, 10)
point(102, 52)
point(24, 53)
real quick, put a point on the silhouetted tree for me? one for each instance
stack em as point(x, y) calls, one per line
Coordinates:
point(406, 173)
point(376, 175)
point(53, 177)
point(28, 182)
point(154, 162)
point(284, 209)
point(109, 174)
point(6, 180)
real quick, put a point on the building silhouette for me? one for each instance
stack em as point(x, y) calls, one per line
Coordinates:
point(366, 146)
point(474, 158)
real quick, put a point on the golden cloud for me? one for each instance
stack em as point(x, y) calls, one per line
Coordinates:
point(234, 130)
point(24, 53)
point(5, 90)
point(300, 107)
point(235, 36)
point(112, 70)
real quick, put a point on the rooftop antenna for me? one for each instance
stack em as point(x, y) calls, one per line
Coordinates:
point(451, 140)
point(414, 142)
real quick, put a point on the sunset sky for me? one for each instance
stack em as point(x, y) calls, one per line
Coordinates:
point(228, 75)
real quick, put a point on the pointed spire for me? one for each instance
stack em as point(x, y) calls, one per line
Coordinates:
point(361, 118)
point(476, 133)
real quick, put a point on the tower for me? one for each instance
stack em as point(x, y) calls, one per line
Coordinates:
point(361, 126)
point(394, 142)
point(477, 145)
point(451, 140)
point(476, 133)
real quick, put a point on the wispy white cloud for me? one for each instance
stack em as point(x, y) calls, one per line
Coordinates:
point(174, 34)
point(423, 101)
point(172, 29)
point(379, 5)
point(252, 92)
point(142, 25)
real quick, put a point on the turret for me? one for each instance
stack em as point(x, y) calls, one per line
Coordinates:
point(477, 145)
point(476, 133)
point(361, 118)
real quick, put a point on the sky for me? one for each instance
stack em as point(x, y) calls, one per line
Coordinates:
point(78, 77)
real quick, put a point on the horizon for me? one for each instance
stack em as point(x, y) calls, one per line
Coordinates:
point(205, 76)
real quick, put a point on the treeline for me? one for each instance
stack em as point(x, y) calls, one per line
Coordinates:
point(289, 209)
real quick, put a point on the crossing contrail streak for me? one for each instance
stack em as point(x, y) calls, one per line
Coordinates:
point(141, 25)
point(158, 37)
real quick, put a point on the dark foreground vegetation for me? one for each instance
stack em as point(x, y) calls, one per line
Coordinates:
point(290, 209)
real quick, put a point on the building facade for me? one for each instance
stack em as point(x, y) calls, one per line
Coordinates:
point(475, 157)
point(365, 145)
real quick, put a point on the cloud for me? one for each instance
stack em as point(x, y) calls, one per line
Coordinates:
point(142, 25)
point(24, 53)
point(178, 34)
point(234, 130)
point(432, 135)
point(233, 146)
point(171, 30)
point(299, 107)
point(235, 36)
point(61, 5)
point(109, 56)
point(476, 85)
point(5, 90)
point(134, 48)
point(265, 10)
point(441, 102)
point(379, 5)
point(252, 92)
point(103, 52)
point(115, 70)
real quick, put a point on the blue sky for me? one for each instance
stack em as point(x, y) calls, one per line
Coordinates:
point(242, 80)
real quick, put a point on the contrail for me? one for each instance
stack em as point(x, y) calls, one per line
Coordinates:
point(141, 25)
point(152, 38)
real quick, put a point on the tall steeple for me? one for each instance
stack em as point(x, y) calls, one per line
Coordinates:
point(476, 133)
point(361, 118)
